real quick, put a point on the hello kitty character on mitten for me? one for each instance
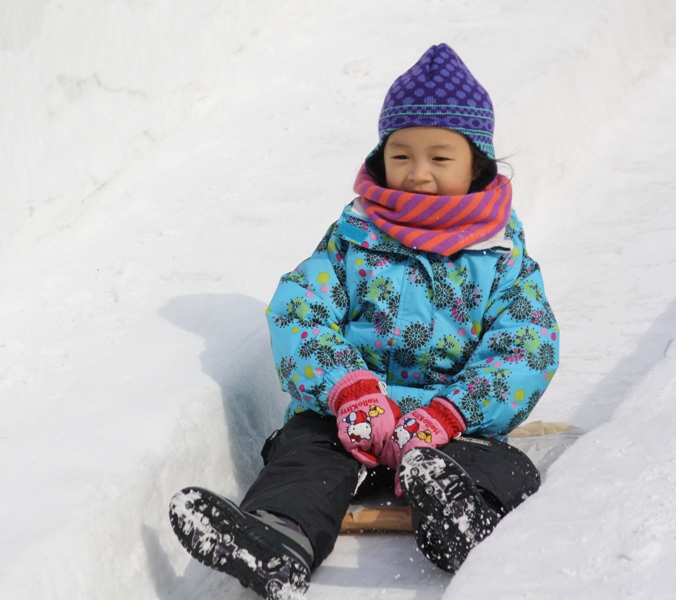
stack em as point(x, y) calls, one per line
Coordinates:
point(404, 432)
point(359, 426)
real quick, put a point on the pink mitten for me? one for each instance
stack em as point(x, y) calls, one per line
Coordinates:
point(434, 426)
point(364, 414)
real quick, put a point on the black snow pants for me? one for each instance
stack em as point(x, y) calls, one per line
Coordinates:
point(310, 478)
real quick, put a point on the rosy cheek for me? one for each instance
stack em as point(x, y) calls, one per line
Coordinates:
point(393, 181)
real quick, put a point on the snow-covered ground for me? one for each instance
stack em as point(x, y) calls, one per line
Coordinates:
point(163, 164)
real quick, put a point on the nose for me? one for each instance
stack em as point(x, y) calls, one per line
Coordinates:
point(419, 173)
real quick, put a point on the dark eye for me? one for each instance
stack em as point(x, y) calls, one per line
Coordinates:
point(440, 158)
point(399, 157)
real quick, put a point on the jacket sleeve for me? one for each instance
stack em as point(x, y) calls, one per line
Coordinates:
point(306, 317)
point(518, 350)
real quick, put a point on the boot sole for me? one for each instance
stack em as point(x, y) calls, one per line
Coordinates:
point(219, 535)
point(450, 516)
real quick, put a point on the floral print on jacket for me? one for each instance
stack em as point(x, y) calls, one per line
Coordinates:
point(474, 328)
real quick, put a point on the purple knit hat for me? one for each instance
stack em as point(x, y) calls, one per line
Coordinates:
point(439, 91)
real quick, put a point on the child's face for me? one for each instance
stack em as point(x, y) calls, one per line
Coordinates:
point(428, 160)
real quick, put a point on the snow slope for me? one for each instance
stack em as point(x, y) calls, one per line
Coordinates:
point(167, 165)
point(89, 86)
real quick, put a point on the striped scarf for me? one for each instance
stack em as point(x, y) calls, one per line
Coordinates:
point(440, 224)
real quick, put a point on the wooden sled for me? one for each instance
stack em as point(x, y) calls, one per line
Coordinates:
point(542, 442)
point(360, 519)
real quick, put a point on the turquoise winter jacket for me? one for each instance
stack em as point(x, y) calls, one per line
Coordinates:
point(474, 328)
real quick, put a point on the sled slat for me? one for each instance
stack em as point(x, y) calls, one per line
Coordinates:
point(377, 519)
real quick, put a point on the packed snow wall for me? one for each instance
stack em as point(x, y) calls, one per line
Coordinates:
point(88, 85)
point(546, 125)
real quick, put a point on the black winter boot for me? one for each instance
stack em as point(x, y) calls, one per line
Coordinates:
point(449, 515)
point(260, 550)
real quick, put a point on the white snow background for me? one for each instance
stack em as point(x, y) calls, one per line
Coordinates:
point(162, 163)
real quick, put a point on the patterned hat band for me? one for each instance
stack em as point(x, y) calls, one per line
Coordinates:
point(439, 91)
point(473, 123)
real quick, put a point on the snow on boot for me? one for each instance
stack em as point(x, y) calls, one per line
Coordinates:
point(449, 515)
point(262, 554)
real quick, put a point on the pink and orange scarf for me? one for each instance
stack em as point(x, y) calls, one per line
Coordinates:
point(440, 224)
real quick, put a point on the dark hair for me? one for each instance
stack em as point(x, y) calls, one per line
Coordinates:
point(485, 169)
point(375, 165)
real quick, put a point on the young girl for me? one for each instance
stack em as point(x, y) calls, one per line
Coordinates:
point(412, 341)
